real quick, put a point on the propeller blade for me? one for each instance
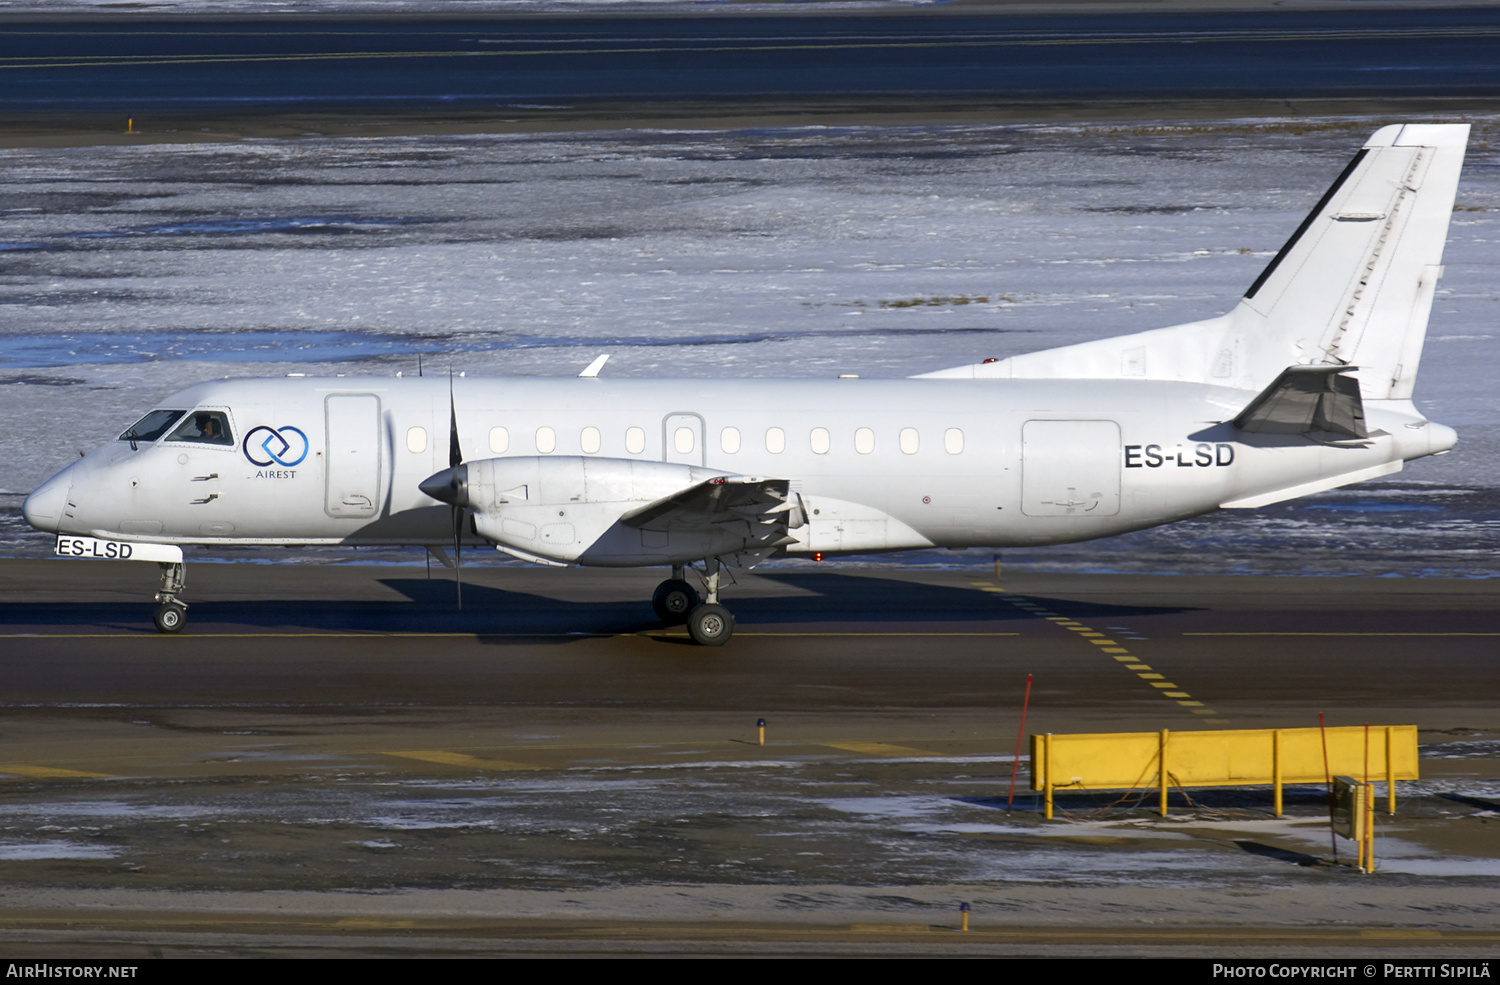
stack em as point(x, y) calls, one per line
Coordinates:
point(455, 451)
point(458, 556)
point(455, 459)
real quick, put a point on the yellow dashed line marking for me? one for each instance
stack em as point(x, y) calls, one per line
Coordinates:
point(880, 749)
point(1123, 656)
point(460, 759)
point(47, 772)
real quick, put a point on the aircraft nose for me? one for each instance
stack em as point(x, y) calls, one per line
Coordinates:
point(448, 486)
point(43, 509)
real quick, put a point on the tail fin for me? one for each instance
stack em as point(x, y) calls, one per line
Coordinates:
point(1354, 284)
point(1352, 287)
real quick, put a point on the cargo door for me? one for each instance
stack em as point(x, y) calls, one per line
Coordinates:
point(1070, 468)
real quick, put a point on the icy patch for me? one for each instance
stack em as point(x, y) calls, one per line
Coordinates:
point(26, 851)
point(1437, 866)
point(1467, 749)
point(889, 807)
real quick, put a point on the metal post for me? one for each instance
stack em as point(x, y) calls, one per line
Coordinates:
point(1047, 771)
point(1276, 768)
point(1390, 775)
point(1161, 758)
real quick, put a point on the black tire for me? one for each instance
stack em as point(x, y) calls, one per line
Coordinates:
point(170, 618)
point(673, 600)
point(710, 624)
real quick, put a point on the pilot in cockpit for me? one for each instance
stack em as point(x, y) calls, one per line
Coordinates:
point(204, 427)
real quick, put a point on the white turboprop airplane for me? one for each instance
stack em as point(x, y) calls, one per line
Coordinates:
point(1256, 406)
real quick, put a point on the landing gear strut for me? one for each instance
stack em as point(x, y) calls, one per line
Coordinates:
point(172, 615)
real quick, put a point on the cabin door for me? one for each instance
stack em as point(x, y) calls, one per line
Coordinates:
point(352, 455)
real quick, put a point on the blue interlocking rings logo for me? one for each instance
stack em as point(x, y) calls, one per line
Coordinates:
point(284, 446)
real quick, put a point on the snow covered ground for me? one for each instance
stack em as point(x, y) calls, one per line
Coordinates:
point(129, 272)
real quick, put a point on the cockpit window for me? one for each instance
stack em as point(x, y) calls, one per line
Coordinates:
point(152, 426)
point(205, 427)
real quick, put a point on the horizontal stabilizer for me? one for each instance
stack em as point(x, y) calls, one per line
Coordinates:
point(1307, 399)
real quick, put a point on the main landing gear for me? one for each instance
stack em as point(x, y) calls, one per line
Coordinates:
point(172, 615)
point(676, 602)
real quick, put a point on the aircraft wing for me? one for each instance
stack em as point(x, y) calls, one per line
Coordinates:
point(766, 507)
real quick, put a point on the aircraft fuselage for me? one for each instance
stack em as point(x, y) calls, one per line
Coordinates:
point(879, 464)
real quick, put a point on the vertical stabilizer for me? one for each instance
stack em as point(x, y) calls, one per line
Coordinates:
point(1352, 287)
point(1354, 284)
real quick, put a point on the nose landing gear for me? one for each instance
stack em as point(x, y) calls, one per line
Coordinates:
point(172, 615)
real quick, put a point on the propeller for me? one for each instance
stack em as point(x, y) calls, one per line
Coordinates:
point(455, 459)
point(450, 486)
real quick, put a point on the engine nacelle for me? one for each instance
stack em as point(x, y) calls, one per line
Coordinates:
point(568, 508)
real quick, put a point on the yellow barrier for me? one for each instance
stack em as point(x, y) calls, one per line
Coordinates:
point(1229, 757)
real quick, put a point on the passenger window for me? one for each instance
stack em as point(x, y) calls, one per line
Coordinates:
point(682, 440)
point(152, 426)
point(775, 441)
point(635, 441)
point(909, 442)
point(416, 440)
point(546, 441)
point(953, 441)
point(729, 441)
point(499, 440)
point(204, 427)
point(590, 441)
point(864, 441)
point(819, 441)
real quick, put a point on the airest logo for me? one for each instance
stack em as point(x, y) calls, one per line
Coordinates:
point(285, 446)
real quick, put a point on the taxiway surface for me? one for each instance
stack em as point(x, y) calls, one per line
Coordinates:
point(331, 759)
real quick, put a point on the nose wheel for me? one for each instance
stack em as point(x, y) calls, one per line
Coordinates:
point(172, 615)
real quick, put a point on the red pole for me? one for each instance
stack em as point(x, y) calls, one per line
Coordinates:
point(1020, 734)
